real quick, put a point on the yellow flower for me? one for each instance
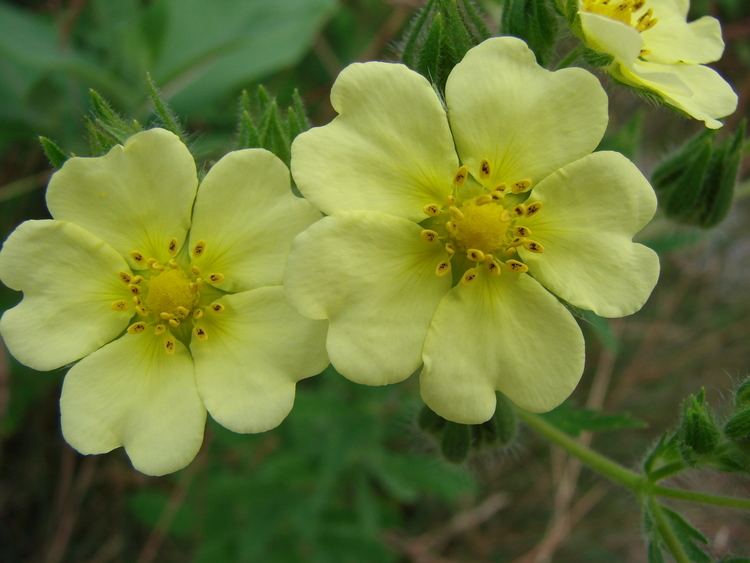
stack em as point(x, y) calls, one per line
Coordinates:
point(428, 259)
point(655, 48)
point(174, 301)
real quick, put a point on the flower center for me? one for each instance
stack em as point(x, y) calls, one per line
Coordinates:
point(630, 12)
point(482, 231)
point(170, 292)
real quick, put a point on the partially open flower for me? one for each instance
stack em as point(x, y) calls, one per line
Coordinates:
point(173, 301)
point(428, 259)
point(655, 48)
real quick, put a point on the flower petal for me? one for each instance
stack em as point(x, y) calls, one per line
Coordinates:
point(257, 349)
point(705, 95)
point(246, 216)
point(503, 333)
point(673, 40)
point(373, 277)
point(389, 149)
point(138, 197)
point(70, 281)
point(132, 393)
point(521, 118)
point(590, 211)
point(611, 36)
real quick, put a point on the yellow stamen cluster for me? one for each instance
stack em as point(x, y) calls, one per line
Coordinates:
point(166, 298)
point(485, 229)
point(630, 12)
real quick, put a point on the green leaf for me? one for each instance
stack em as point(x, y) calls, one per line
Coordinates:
point(688, 536)
point(576, 420)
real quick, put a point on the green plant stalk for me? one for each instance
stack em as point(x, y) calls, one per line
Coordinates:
point(637, 483)
point(667, 533)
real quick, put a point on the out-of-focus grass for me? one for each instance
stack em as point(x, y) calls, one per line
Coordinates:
point(348, 477)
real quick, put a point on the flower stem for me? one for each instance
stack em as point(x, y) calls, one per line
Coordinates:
point(637, 483)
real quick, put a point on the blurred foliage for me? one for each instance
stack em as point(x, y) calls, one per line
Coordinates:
point(350, 476)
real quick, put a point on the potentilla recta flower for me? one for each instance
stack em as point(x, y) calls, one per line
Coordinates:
point(170, 293)
point(655, 48)
point(447, 230)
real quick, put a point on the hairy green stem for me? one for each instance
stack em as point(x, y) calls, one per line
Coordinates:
point(637, 483)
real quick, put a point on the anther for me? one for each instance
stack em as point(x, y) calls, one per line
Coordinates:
point(516, 241)
point(469, 276)
point(497, 195)
point(136, 280)
point(475, 255)
point(217, 308)
point(429, 235)
point(174, 323)
point(520, 210)
point(141, 310)
point(125, 277)
point(197, 314)
point(483, 200)
point(136, 300)
point(169, 345)
point(119, 305)
point(154, 264)
point(451, 226)
point(137, 257)
point(456, 213)
point(200, 333)
point(460, 176)
point(216, 277)
point(137, 328)
point(199, 248)
point(172, 263)
point(484, 169)
point(182, 312)
point(134, 289)
point(493, 267)
point(431, 209)
point(450, 249)
point(521, 186)
point(196, 285)
point(533, 208)
point(159, 329)
point(166, 316)
point(172, 246)
point(521, 231)
point(516, 266)
point(443, 268)
point(196, 271)
point(533, 246)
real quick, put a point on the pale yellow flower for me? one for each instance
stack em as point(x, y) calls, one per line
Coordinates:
point(170, 293)
point(445, 228)
point(655, 48)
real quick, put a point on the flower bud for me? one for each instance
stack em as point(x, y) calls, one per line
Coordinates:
point(742, 394)
point(699, 431)
point(737, 427)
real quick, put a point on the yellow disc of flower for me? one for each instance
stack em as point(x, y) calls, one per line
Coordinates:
point(168, 293)
point(655, 48)
point(447, 230)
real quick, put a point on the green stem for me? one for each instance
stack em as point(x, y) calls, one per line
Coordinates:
point(666, 471)
point(667, 533)
point(621, 475)
point(570, 58)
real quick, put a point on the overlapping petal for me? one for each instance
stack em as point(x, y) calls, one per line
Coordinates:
point(611, 36)
point(70, 279)
point(389, 149)
point(257, 349)
point(524, 120)
point(590, 211)
point(674, 40)
point(373, 277)
point(246, 216)
point(697, 90)
point(138, 197)
point(131, 393)
point(503, 333)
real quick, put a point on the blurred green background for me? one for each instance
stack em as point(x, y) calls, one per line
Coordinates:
point(349, 477)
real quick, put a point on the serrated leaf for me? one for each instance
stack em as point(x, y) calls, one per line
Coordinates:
point(574, 420)
point(688, 536)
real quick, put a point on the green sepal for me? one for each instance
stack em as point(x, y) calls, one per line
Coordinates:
point(53, 152)
point(742, 394)
point(167, 118)
point(455, 442)
point(737, 427)
point(439, 36)
point(504, 421)
point(595, 58)
point(429, 421)
point(698, 429)
point(533, 21)
point(105, 127)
